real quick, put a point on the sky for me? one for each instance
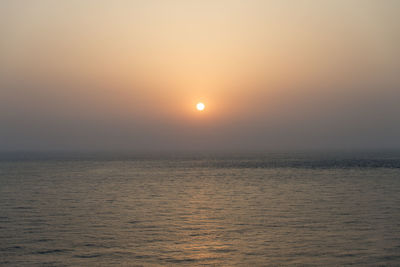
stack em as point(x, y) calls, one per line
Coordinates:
point(127, 75)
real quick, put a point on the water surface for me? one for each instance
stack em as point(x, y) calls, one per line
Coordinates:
point(230, 210)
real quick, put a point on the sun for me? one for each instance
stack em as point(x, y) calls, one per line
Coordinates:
point(200, 106)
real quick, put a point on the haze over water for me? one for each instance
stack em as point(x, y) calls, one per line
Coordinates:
point(142, 132)
point(127, 75)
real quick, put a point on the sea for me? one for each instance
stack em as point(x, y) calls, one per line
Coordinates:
point(199, 209)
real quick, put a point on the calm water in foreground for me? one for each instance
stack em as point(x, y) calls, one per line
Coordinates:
point(272, 209)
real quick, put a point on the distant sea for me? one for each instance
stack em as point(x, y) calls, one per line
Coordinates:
point(260, 209)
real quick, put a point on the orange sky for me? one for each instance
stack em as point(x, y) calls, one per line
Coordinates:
point(262, 68)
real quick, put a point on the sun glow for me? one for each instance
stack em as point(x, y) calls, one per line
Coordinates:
point(200, 106)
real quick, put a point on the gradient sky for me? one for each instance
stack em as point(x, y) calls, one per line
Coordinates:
point(126, 75)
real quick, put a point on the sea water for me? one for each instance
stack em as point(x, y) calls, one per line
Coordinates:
point(187, 210)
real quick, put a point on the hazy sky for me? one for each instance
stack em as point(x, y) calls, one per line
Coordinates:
point(110, 75)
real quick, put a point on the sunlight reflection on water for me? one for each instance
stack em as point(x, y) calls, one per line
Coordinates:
point(145, 212)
